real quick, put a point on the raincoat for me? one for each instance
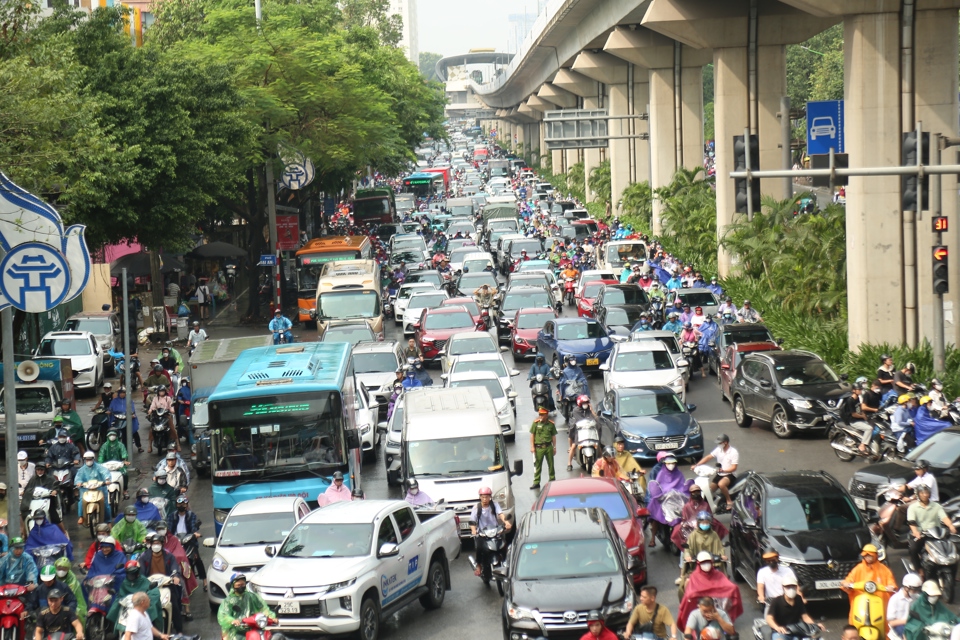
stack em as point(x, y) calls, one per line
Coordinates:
point(922, 613)
point(128, 587)
point(63, 564)
point(715, 585)
point(48, 533)
point(876, 572)
point(666, 481)
point(104, 565)
point(925, 425)
point(238, 607)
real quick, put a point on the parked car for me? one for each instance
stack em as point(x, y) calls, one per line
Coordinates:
point(809, 519)
point(738, 332)
point(524, 328)
point(731, 360)
point(607, 494)
point(786, 389)
point(643, 364)
point(106, 327)
point(436, 326)
point(83, 351)
point(561, 565)
point(651, 420)
point(583, 338)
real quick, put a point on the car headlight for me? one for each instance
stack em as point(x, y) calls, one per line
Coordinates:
point(613, 384)
point(677, 382)
point(87, 370)
point(304, 312)
point(501, 496)
point(220, 515)
point(219, 564)
point(519, 613)
point(426, 340)
point(630, 435)
point(799, 403)
point(342, 585)
point(46, 423)
point(623, 607)
point(506, 411)
point(694, 429)
point(364, 429)
point(253, 587)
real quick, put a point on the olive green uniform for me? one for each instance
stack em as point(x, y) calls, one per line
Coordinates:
point(543, 436)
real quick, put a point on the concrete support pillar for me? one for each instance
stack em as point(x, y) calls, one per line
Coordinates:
point(771, 86)
point(877, 290)
point(730, 117)
point(619, 150)
point(663, 149)
point(691, 113)
point(591, 157)
point(641, 102)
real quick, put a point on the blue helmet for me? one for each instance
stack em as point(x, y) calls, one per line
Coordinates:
point(704, 515)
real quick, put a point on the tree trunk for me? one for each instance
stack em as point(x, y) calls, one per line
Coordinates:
point(256, 199)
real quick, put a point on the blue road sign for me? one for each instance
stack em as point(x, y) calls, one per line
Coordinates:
point(268, 260)
point(825, 127)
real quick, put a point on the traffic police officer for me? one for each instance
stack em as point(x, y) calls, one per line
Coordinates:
point(543, 444)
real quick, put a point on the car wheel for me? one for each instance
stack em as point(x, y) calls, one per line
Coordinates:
point(436, 587)
point(740, 413)
point(779, 424)
point(369, 619)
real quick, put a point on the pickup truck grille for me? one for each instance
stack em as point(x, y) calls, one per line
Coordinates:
point(564, 619)
point(306, 611)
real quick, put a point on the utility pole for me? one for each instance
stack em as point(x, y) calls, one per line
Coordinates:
point(128, 405)
point(10, 402)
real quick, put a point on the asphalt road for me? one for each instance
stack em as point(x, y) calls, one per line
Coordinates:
point(472, 606)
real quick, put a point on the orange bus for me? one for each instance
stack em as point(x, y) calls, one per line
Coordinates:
point(316, 253)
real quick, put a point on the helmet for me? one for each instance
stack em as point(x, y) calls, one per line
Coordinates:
point(485, 491)
point(17, 542)
point(572, 359)
point(619, 438)
point(40, 513)
point(157, 367)
point(131, 510)
point(103, 526)
point(54, 594)
point(594, 616)
point(936, 384)
point(142, 492)
point(608, 452)
point(869, 549)
point(770, 554)
point(171, 456)
point(89, 455)
point(21, 455)
point(925, 399)
point(921, 464)
point(40, 465)
point(912, 367)
point(885, 357)
point(912, 581)
point(62, 433)
point(931, 588)
point(583, 399)
point(412, 484)
point(236, 577)
point(108, 541)
point(903, 398)
point(132, 565)
point(704, 515)
point(688, 325)
point(860, 382)
point(338, 475)
point(704, 556)
point(48, 573)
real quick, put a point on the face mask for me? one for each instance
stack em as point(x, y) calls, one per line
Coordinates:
point(790, 593)
point(704, 527)
point(111, 438)
point(101, 536)
point(161, 481)
point(181, 507)
point(706, 567)
point(145, 499)
point(414, 492)
point(129, 518)
point(671, 466)
point(39, 522)
point(61, 573)
point(23, 465)
point(62, 440)
point(157, 548)
point(89, 463)
point(933, 599)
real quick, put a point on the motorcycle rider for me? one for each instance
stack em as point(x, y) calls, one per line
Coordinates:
point(540, 367)
point(702, 538)
point(870, 400)
point(163, 401)
point(852, 414)
point(46, 480)
point(133, 582)
point(571, 374)
point(46, 533)
point(66, 576)
point(898, 609)
point(62, 448)
point(656, 292)
point(412, 350)
point(596, 629)
point(337, 491)
point(119, 406)
point(727, 308)
point(72, 423)
point(410, 380)
point(130, 528)
point(643, 324)
point(173, 546)
point(18, 567)
point(606, 466)
point(280, 325)
point(48, 583)
point(885, 373)
point(484, 296)
point(925, 423)
point(239, 604)
point(748, 313)
point(414, 495)
point(56, 617)
point(421, 373)
point(487, 514)
point(673, 323)
point(937, 396)
point(168, 362)
point(92, 470)
point(196, 336)
point(715, 288)
point(786, 610)
point(627, 462)
point(708, 335)
point(649, 612)
point(870, 569)
point(176, 477)
point(103, 530)
point(146, 510)
point(921, 470)
point(583, 411)
point(926, 611)
point(157, 560)
point(728, 458)
point(771, 577)
point(114, 451)
point(906, 410)
point(707, 614)
point(158, 378)
point(25, 469)
point(922, 515)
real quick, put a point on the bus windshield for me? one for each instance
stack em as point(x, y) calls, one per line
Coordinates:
point(371, 208)
point(310, 266)
point(267, 436)
point(341, 305)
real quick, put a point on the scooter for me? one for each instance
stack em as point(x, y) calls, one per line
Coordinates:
point(257, 627)
point(121, 365)
point(99, 599)
point(160, 423)
point(799, 631)
point(191, 547)
point(939, 559)
point(92, 505)
point(540, 391)
point(48, 554)
point(588, 443)
point(490, 546)
point(633, 486)
point(115, 467)
point(97, 432)
point(162, 583)
point(41, 499)
point(938, 631)
point(891, 525)
point(12, 608)
point(569, 397)
point(868, 612)
point(63, 471)
point(846, 440)
point(703, 473)
point(569, 294)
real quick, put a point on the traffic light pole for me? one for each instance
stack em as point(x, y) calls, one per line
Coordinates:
point(939, 347)
point(746, 138)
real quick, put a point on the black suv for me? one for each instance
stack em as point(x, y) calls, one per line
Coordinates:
point(562, 564)
point(810, 520)
point(941, 451)
point(735, 333)
point(785, 388)
point(625, 296)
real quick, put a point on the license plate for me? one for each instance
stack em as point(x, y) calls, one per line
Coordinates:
point(665, 445)
point(860, 502)
point(26, 437)
point(826, 584)
point(533, 349)
point(465, 526)
point(592, 362)
point(289, 606)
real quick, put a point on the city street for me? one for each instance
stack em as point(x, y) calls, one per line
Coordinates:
point(472, 605)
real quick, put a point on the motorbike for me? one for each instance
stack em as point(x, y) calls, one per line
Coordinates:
point(798, 631)
point(120, 362)
point(540, 391)
point(93, 508)
point(569, 292)
point(938, 631)
point(115, 467)
point(891, 525)
point(702, 476)
point(490, 555)
point(588, 443)
point(845, 440)
point(12, 608)
point(97, 432)
point(48, 553)
point(568, 398)
point(133, 549)
point(162, 583)
point(939, 559)
point(634, 488)
point(174, 381)
point(160, 423)
point(257, 627)
point(99, 599)
point(41, 499)
point(282, 337)
point(868, 612)
point(485, 318)
point(191, 547)
point(63, 470)
point(719, 564)
point(231, 276)
point(691, 353)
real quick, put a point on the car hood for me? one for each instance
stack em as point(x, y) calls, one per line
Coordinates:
point(568, 594)
point(375, 380)
point(821, 545)
point(308, 572)
point(527, 334)
point(619, 330)
point(456, 489)
point(829, 392)
point(662, 425)
point(443, 334)
point(245, 556)
point(643, 378)
point(883, 473)
point(589, 345)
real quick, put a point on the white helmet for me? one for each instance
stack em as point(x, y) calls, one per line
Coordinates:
point(912, 580)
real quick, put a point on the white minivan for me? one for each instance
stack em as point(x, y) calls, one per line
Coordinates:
point(452, 443)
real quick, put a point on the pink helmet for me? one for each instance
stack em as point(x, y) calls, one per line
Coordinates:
point(486, 491)
point(583, 399)
point(662, 455)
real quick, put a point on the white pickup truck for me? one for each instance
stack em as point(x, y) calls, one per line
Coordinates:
point(347, 566)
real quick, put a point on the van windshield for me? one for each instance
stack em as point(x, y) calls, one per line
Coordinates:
point(455, 456)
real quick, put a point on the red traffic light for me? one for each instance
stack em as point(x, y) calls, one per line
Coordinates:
point(939, 254)
point(940, 224)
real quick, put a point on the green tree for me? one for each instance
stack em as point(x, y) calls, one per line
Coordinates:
point(600, 183)
point(428, 64)
point(637, 206)
point(575, 182)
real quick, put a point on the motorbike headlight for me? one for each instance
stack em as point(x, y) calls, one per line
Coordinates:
point(800, 403)
point(219, 564)
point(694, 429)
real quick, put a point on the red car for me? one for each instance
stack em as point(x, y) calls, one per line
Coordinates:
point(587, 294)
point(523, 332)
point(608, 495)
point(468, 303)
point(731, 360)
point(437, 325)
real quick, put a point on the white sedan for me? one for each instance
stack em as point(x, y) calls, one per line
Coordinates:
point(643, 364)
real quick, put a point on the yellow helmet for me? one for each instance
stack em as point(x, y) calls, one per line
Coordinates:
point(869, 549)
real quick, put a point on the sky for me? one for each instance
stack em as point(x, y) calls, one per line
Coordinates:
point(449, 27)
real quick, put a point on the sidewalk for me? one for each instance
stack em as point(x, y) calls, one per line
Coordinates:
point(229, 315)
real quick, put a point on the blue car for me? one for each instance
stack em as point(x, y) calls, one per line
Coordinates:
point(651, 420)
point(583, 338)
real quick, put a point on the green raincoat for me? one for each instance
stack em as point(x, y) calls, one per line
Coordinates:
point(71, 581)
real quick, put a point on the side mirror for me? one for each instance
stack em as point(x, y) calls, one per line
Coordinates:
point(416, 325)
point(504, 349)
point(442, 352)
point(356, 406)
point(513, 395)
point(691, 407)
point(642, 512)
point(779, 340)
point(605, 367)
point(635, 565)
point(444, 376)
point(498, 572)
point(844, 377)
point(514, 372)
point(209, 542)
point(518, 467)
point(270, 550)
point(353, 439)
point(381, 427)
point(683, 362)
point(388, 549)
